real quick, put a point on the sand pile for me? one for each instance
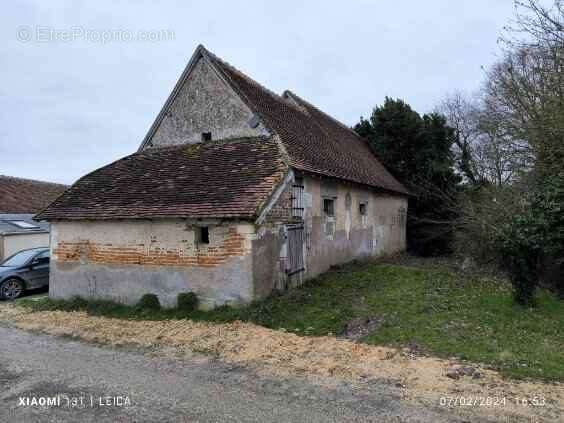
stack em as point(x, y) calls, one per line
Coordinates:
point(280, 353)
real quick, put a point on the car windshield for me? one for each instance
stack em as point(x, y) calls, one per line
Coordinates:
point(19, 259)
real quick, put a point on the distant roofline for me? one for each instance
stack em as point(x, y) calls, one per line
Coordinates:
point(34, 181)
point(27, 196)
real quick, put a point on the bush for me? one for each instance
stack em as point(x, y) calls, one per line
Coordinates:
point(532, 236)
point(77, 303)
point(149, 302)
point(523, 273)
point(187, 301)
point(520, 227)
point(484, 210)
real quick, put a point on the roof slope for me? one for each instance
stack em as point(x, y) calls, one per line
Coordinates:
point(225, 179)
point(315, 142)
point(18, 195)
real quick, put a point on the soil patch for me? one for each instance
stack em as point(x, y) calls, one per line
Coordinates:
point(359, 327)
point(423, 379)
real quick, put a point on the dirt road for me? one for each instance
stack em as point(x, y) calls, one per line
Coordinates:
point(126, 385)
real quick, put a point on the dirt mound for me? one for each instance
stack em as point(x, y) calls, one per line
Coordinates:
point(276, 352)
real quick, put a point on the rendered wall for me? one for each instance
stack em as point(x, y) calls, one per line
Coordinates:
point(205, 104)
point(13, 243)
point(122, 260)
point(380, 232)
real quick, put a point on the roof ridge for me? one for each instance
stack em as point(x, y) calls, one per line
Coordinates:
point(234, 69)
point(36, 181)
point(248, 78)
point(219, 141)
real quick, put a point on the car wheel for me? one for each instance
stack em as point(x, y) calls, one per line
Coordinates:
point(11, 289)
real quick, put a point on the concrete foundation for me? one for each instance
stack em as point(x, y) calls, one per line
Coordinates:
point(229, 283)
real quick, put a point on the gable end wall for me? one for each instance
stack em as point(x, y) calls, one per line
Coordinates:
point(205, 103)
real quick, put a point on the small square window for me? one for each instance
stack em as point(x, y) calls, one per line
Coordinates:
point(206, 136)
point(329, 207)
point(362, 209)
point(203, 234)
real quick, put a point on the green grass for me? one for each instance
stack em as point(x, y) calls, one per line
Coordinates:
point(447, 315)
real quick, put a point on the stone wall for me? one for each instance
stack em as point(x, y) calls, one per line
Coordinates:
point(205, 104)
point(122, 260)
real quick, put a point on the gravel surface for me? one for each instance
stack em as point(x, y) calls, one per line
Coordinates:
point(165, 389)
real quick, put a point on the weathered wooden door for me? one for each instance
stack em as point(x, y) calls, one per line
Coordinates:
point(295, 254)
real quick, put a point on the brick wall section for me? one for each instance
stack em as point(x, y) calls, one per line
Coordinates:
point(209, 255)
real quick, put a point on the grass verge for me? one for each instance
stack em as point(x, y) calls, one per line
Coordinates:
point(436, 310)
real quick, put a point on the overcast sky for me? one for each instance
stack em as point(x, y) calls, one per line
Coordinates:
point(78, 92)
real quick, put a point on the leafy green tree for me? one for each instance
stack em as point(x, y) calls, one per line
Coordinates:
point(418, 151)
point(531, 236)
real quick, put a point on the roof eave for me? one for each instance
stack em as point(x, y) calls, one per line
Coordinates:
point(63, 218)
point(43, 231)
point(405, 193)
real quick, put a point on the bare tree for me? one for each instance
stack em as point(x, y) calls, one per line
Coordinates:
point(500, 156)
point(516, 123)
point(536, 24)
point(514, 134)
point(461, 114)
point(526, 88)
point(484, 151)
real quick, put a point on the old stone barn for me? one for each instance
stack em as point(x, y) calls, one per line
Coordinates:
point(235, 192)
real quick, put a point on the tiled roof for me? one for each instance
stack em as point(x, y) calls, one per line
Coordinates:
point(224, 179)
point(18, 195)
point(315, 142)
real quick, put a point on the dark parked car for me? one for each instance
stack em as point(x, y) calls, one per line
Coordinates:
point(27, 269)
